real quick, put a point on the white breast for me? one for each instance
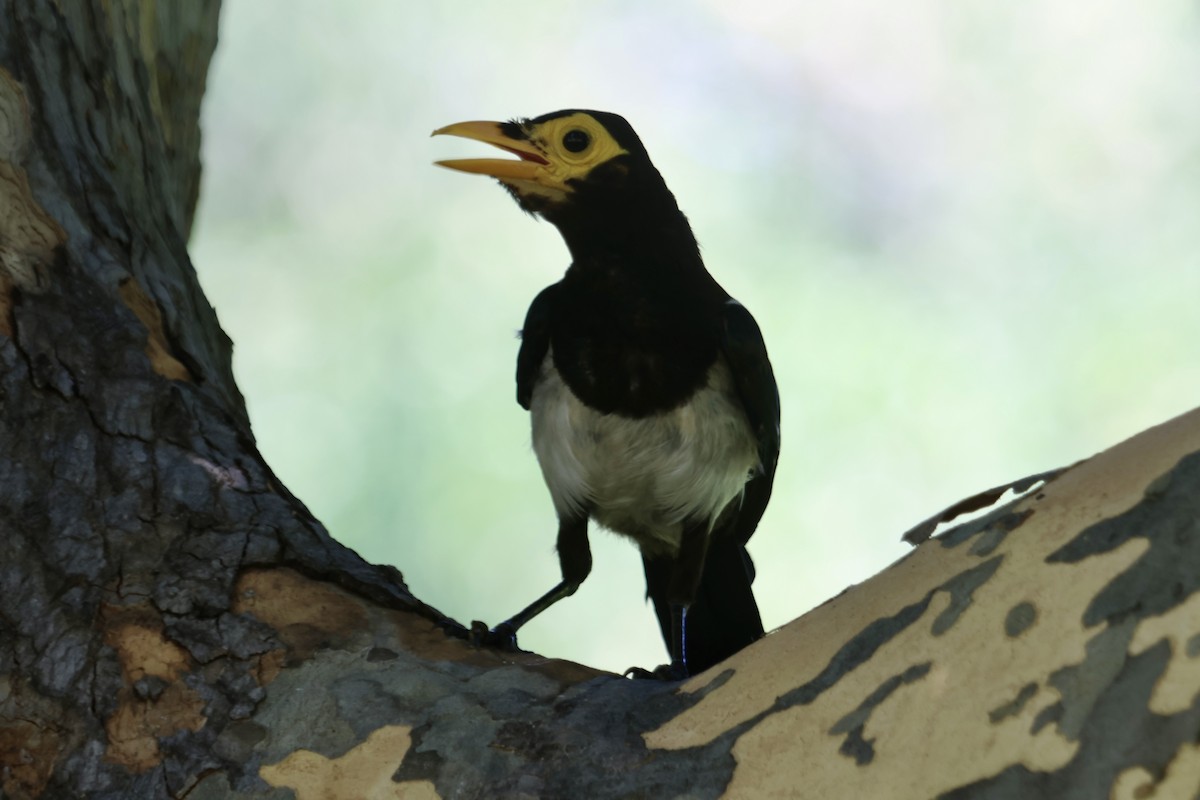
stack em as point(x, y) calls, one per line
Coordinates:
point(643, 477)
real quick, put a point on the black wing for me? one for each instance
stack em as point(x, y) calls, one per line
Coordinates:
point(746, 354)
point(535, 342)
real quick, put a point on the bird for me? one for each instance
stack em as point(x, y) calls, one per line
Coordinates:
point(654, 407)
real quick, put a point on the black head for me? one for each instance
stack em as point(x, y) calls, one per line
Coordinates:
point(585, 171)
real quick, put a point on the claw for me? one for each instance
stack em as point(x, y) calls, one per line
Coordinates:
point(501, 637)
point(675, 671)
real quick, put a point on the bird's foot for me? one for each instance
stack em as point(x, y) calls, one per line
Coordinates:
point(501, 637)
point(675, 671)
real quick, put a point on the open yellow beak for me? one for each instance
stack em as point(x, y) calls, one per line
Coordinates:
point(531, 158)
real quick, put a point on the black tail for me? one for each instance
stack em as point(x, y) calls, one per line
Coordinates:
point(724, 617)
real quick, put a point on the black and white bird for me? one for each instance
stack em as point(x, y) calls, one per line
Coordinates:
point(654, 407)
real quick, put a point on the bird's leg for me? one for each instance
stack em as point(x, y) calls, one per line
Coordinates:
point(575, 559)
point(685, 581)
point(681, 591)
point(678, 666)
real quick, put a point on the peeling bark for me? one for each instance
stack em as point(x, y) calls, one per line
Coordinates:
point(174, 623)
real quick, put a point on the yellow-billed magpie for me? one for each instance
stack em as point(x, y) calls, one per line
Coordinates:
point(654, 407)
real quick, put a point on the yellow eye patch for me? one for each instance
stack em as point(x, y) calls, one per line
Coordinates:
point(575, 145)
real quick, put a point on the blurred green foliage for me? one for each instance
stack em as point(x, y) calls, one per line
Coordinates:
point(970, 232)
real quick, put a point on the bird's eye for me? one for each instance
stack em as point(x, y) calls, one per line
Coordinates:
point(576, 141)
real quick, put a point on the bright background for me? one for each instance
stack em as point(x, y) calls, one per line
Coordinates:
point(969, 231)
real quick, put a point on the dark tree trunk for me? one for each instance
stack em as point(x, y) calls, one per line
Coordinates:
point(173, 622)
point(132, 498)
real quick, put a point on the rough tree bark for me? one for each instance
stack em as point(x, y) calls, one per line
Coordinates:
point(173, 622)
